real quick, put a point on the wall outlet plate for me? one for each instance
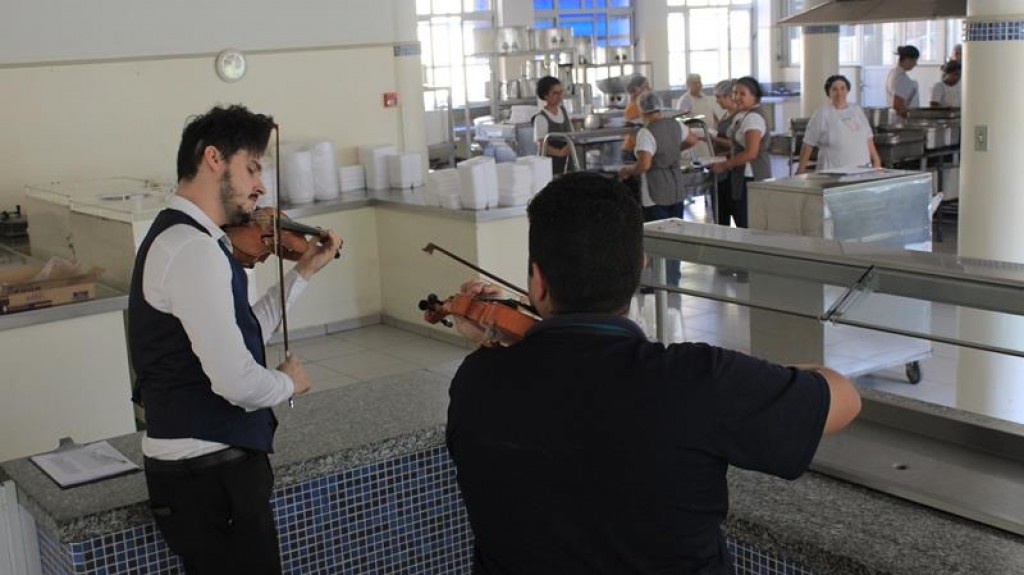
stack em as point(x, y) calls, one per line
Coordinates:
point(981, 138)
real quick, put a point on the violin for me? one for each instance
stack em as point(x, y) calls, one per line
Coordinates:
point(253, 242)
point(503, 319)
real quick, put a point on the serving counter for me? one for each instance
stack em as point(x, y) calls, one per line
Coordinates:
point(365, 485)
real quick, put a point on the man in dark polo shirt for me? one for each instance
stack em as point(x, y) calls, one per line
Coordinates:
point(585, 448)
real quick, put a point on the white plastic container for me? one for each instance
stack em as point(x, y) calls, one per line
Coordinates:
point(325, 171)
point(298, 176)
point(352, 178)
point(540, 168)
point(441, 185)
point(514, 184)
point(374, 162)
point(478, 183)
point(405, 170)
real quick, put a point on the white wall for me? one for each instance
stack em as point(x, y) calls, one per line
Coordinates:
point(108, 109)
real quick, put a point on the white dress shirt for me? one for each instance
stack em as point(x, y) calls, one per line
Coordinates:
point(187, 275)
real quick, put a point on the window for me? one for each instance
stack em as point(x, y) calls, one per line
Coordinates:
point(713, 38)
point(608, 22)
point(445, 32)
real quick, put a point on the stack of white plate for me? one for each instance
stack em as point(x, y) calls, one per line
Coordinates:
point(478, 183)
point(405, 170)
point(374, 162)
point(540, 170)
point(514, 184)
point(442, 189)
point(352, 178)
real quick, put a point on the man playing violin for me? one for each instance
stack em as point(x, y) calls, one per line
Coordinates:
point(586, 448)
point(197, 350)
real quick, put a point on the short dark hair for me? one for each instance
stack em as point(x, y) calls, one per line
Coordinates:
point(228, 129)
point(836, 78)
point(751, 84)
point(586, 236)
point(908, 51)
point(545, 84)
point(951, 67)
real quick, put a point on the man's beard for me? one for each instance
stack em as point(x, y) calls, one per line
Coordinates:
point(234, 214)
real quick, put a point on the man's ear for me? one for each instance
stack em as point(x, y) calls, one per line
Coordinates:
point(538, 287)
point(212, 157)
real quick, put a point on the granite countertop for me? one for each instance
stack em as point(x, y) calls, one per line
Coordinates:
point(327, 432)
point(822, 524)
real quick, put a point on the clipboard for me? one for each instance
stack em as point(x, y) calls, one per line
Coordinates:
point(72, 465)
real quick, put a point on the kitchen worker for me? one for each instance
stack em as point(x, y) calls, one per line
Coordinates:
point(841, 132)
point(901, 92)
point(585, 448)
point(694, 102)
point(552, 118)
point(946, 92)
point(658, 143)
point(197, 349)
point(637, 86)
point(748, 160)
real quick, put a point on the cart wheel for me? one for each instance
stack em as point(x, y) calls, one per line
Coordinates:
point(914, 372)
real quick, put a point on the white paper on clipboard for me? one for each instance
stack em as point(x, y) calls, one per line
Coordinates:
point(71, 466)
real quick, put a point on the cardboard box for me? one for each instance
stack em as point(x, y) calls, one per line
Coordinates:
point(20, 292)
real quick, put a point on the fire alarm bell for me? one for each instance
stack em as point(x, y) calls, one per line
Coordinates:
point(390, 99)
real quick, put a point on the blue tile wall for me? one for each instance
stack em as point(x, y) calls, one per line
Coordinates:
point(403, 515)
point(994, 31)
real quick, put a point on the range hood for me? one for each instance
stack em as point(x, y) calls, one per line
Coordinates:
point(835, 12)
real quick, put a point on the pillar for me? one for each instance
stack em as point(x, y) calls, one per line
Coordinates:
point(820, 60)
point(991, 202)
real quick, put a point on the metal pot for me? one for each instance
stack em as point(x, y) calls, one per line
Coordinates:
point(879, 116)
point(936, 134)
point(527, 88)
point(511, 39)
point(584, 46)
point(551, 38)
point(591, 122)
point(618, 54)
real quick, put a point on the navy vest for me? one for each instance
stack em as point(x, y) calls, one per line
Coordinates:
point(170, 382)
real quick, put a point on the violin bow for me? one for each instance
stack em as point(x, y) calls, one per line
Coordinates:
point(432, 247)
point(277, 242)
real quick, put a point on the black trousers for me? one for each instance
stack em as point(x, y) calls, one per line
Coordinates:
point(727, 207)
point(218, 519)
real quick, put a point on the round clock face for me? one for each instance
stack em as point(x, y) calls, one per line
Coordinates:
point(230, 65)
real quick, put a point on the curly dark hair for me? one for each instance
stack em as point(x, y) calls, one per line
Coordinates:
point(228, 129)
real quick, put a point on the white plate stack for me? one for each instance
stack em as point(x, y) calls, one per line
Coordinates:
point(514, 184)
point(374, 162)
point(540, 170)
point(325, 171)
point(352, 178)
point(405, 170)
point(478, 183)
point(442, 189)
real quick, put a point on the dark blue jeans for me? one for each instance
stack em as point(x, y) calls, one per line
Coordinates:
point(656, 212)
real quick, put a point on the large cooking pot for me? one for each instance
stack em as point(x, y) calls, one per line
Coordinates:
point(936, 134)
point(511, 39)
point(879, 116)
point(551, 38)
point(584, 46)
point(937, 113)
point(591, 122)
point(618, 54)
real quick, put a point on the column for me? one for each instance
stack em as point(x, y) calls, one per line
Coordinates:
point(820, 60)
point(409, 79)
point(991, 202)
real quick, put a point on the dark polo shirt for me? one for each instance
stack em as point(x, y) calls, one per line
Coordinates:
point(586, 448)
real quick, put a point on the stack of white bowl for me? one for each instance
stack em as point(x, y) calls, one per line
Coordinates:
point(478, 183)
point(352, 178)
point(514, 184)
point(405, 170)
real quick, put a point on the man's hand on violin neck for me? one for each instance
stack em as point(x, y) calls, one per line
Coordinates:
point(320, 253)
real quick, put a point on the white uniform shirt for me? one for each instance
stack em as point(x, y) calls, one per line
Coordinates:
point(747, 121)
point(841, 136)
point(946, 95)
point(187, 275)
point(645, 142)
point(702, 106)
point(898, 83)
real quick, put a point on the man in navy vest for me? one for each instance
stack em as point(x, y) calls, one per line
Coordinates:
point(197, 349)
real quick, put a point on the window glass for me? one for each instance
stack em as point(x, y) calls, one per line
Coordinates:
point(713, 38)
point(849, 44)
point(676, 48)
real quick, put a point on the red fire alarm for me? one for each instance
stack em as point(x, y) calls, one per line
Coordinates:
point(390, 99)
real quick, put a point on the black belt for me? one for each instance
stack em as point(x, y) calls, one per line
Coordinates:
point(201, 463)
